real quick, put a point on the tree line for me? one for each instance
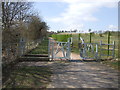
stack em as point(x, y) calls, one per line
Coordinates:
point(19, 21)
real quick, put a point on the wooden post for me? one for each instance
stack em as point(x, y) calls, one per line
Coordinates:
point(90, 34)
point(79, 37)
point(90, 37)
point(108, 41)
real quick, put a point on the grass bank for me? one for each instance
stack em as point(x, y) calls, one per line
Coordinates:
point(42, 48)
point(29, 77)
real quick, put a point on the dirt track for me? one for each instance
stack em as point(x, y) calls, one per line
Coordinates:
point(79, 74)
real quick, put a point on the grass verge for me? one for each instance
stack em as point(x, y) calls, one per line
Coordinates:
point(42, 48)
point(29, 77)
point(112, 63)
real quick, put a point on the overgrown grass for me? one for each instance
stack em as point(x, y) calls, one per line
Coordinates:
point(112, 63)
point(42, 48)
point(29, 77)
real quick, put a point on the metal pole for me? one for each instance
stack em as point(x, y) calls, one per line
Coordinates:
point(69, 51)
point(49, 49)
point(52, 50)
point(96, 52)
point(113, 49)
point(100, 48)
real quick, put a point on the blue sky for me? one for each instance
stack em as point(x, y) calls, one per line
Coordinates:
point(78, 14)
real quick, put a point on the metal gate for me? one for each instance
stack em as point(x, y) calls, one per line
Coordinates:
point(59, 50)
point(88, 51)
point(95, 50)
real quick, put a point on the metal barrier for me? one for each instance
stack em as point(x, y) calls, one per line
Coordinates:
point(62, 50)
point(112, 49)
point(94, 50)
point(88, 50)
point(59, 50)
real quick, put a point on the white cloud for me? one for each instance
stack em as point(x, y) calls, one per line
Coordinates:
point(80, 11)
point(112, 28)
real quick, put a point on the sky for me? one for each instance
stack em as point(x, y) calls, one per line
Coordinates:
point(66, 15)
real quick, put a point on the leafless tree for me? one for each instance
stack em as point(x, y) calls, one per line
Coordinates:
point(37, 28)
point(14, 12)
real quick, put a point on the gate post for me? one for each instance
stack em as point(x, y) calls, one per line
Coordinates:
point(100, 48)
point(113, 49)
point(49, 48)
point(69, 50)
point(52, 50)
point(96, 55)
point(84, 50)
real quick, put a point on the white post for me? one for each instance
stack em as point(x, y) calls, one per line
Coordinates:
point(113, 49)
point(68, 50)
point(100, 48)
point(71, 40)
point(49, 49)
point(82, 40)
point(96, 55)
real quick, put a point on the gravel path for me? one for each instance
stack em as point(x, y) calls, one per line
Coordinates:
point(79, 74)
point(83, 75)
point(68, 74)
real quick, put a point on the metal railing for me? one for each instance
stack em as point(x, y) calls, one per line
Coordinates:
point(95, 50)
point(88, 50)
point(108, 50)
point(59, 50)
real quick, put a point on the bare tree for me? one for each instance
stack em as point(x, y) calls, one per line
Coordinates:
point(13, 12)
point(18, 22)
point(37, 28)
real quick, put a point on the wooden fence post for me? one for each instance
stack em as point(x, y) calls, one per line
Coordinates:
point(90, 34)
point(108, 41)
point(90, 37)
point(79, 37)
